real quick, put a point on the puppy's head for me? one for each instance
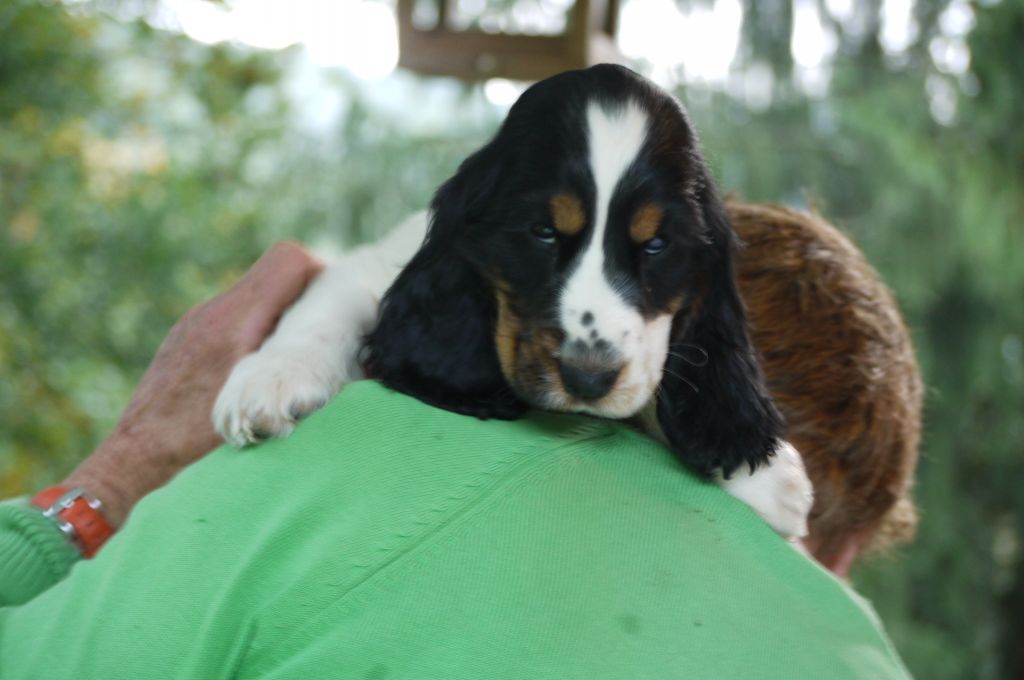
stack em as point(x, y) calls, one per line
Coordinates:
point(582, 261)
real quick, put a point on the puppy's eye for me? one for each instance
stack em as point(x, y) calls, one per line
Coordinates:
point(655, 245)
point(545, 233)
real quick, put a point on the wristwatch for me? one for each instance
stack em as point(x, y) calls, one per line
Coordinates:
point(77, 515)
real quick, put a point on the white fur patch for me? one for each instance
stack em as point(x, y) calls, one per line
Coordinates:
point(591, 308)
point(313, 353)
point(779, 492)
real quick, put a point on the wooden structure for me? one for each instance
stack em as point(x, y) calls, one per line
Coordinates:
point(473, 54)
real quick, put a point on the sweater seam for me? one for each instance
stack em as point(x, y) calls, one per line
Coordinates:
point(434, 532)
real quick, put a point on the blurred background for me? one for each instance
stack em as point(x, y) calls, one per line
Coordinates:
point(151, 149)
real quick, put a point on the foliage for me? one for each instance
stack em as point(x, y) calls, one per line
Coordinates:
point(141, 172)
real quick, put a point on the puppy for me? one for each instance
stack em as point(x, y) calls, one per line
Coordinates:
point(581, 261)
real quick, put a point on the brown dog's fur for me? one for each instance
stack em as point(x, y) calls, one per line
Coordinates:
point(840, 366)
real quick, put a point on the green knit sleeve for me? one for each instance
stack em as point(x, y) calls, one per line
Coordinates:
point(33, 554)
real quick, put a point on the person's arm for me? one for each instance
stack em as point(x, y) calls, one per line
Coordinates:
point(166, 425)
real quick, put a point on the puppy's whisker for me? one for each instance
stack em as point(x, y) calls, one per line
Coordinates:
point(675, 375)
point(687, 359)
point(702, 354)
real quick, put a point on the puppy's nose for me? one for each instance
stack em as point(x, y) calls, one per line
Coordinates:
point(584, 383)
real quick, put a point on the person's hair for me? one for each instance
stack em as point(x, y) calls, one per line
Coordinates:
point(840, 365)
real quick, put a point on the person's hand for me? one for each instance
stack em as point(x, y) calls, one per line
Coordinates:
point(167, 424)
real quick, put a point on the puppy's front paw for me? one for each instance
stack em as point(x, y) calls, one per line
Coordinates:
point(779, 491)
point(268, 392)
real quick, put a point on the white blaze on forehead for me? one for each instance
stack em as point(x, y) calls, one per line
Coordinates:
point(616, 135)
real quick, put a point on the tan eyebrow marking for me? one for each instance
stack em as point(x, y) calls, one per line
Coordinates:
point(567, 214)
point(645, 223)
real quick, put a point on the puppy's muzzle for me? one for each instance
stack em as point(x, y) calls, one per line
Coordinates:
point(588, 373)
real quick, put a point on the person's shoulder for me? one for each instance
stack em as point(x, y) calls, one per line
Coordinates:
point(576, 504)
point(378, 484)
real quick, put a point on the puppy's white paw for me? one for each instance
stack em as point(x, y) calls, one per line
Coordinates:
point(779, 491)
point(269, 391)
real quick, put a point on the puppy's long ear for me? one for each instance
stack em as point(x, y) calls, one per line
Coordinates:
point(713, 405)
point(434, 338)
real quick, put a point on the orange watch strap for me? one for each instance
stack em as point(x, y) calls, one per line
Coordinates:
point(77, 515)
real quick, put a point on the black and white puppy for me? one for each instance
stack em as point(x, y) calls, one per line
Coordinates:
point(580, 261)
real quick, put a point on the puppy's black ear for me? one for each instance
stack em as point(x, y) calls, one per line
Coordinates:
point(434, 338)
point(713, 405)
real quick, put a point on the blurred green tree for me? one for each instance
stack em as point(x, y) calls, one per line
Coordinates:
point(141, 172)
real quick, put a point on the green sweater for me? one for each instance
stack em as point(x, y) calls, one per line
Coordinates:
point(388, 539)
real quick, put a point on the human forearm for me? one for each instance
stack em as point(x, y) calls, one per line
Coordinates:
point(112, 473)
point(167, 425)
